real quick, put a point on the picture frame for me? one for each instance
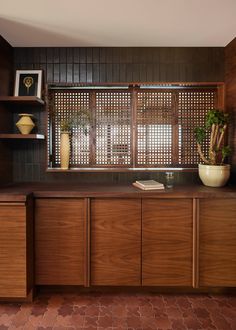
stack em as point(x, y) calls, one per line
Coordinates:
point(28, 83)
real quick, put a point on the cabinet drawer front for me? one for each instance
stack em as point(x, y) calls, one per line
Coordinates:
point(167, 242)
point(13, 236)
point(115, 241)
point(217, 241)
point(59, 240)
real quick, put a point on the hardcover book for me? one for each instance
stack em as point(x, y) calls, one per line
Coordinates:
point(148, 185)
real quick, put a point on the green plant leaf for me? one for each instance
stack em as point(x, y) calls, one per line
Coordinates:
point(200, 134)
point(226, 151)
point(216, 117)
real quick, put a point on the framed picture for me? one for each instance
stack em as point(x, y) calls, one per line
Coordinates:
point(28, 83)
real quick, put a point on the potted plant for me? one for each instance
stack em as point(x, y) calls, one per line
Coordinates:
point(213, 172)
point(82, 119)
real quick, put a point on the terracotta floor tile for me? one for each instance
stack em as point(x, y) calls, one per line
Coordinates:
point(49, 318)
point(178, 324)
point(221, 323)
point(163, 323)
point(3, 327)
point(122, 311)
point(173, 312)
point(91, 321)
point(92, 310)
point(118, 322)
point(105, 311)
point(104, 321)
point(133, 310)
point(119, 310)
point(193, 323)
point(133, 322)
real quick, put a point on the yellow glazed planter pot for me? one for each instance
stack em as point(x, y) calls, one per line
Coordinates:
point(214, 175)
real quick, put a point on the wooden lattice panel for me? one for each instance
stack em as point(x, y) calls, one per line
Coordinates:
point(130, 128)
point(154, 128)
point(113, 129)
point(192, 109)
point(66, 106)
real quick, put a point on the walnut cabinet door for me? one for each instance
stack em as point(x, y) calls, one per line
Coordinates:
point(116, 241)
point(16, 250)
point(167, 245)
point(59, 241)
point(217, 242)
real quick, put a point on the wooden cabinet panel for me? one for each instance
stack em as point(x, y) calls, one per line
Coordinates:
point(217, 241)
point(167, 242)
point(59, 240)
point(15, 270)
point(116, 241)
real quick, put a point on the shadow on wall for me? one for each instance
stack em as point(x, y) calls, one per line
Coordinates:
point(233, 174)
point(21, 34)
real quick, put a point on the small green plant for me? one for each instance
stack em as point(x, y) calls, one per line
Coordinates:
point(81, 119)
point(216, 124)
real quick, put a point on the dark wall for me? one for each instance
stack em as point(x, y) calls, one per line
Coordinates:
point(6, 70)
point(104, 65)
point(74, 65)
point(230, 83)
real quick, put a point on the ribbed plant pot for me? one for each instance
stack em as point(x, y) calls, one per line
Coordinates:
point(65, 150)
point(214, 175)
point(25, 124)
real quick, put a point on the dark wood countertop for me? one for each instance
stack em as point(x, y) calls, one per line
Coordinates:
point(20, 191)
point(14, 196)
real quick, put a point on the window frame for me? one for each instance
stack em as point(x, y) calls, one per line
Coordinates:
point(134, 89)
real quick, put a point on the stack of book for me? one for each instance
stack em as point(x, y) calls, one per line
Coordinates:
point(148, 185)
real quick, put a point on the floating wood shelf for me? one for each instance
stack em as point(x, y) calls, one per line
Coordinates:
point(22, 100)
point(23, 136)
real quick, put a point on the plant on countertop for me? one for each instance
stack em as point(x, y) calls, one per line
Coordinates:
point(81, 119)
point(216, 123)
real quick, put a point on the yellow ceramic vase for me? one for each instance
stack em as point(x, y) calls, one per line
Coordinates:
point(25, 124)
point(65, 150)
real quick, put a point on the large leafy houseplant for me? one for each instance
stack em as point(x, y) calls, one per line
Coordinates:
point(213, 172)
point(216, 124)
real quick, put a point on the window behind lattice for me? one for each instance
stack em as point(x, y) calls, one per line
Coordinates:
point(192, 109)
point(133, 128)
point(154, 128)
point(113, 129)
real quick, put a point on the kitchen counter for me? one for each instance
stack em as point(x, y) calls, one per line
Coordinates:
point(19, 191)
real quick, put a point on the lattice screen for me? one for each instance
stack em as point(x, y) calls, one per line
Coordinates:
point(131, 128)
point(66, 105)
point(113, 128)
point(154, 129)
point(192, 109)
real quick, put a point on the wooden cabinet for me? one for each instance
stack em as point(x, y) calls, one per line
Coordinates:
point(115, 241)
point(16, 249)
point(59, 241)
point(167, 245)
point(217, 242)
